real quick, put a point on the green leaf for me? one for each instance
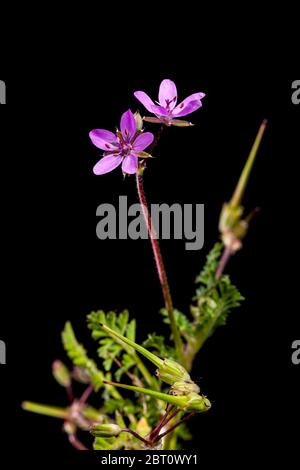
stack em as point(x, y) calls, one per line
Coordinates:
point(78, 356)
point(157, 343)
point(131, 330)
point(109, 350)
point(127, 363)
point(183, 322)
point(124, 406)
point(207, 275)
point(214, 298)
point(107, 443)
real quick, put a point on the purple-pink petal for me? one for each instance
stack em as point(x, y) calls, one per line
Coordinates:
point(190, 104)
point(145, 100)
point(128, 125)
point(189, 108)
point(160, 110)
point(107, 164)
point(130, 164)
point(167, 94)
point(103, 139)
point(143, 141)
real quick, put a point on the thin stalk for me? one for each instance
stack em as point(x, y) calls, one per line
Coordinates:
point(120, 339)
point(241, 186)
point(160, 267)
point(135, 434)
point(163, 424)
point(223, 261)
point(167, 398)
point(76, 442)
point(86, 394)
point(45, 410)
point(183, 420)
point(144, 371)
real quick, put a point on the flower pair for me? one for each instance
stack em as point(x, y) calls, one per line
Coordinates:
point(128, 144)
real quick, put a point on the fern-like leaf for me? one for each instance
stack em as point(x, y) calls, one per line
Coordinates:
point(78, 356)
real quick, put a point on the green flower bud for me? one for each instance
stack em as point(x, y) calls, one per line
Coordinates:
point(190, 402)
point(184, 388)
point(230, 215)
point(61, 374)
point(171, 372)
point(195, 402)
point(105, 430)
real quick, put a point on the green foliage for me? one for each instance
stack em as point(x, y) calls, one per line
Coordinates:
point(184, 433)
point(111, 351)
point(157, 344)
point(78, 356)
point(183, 322)
point(207, 275)
point(119, 404)
point(214, 298)
point(107, 443)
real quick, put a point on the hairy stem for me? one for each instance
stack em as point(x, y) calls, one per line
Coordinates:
point(160, 268)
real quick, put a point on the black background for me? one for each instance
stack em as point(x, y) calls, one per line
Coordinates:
point(54, 267)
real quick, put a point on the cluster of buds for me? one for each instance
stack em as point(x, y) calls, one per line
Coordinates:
point(184, 393)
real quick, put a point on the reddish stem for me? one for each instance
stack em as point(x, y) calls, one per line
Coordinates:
point(160, 266)
point(189, 416)
point(86, 394)
point(76, 442)
point(223, 261)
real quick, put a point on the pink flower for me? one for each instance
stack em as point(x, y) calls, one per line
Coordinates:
point(124, 147)
point(166, 110)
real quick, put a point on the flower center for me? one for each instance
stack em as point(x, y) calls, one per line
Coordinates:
point(126, 148)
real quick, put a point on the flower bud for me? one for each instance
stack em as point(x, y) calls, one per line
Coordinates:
point(139, 121)
point(81, 375)
point(195, 402)
point(184, 388)
point(230, 215)
point(171, 372)
point(105, 430)
point(61, 374)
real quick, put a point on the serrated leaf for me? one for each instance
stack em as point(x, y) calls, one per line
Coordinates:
point(110, 349)
point(131, 330)
point(78, 355)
